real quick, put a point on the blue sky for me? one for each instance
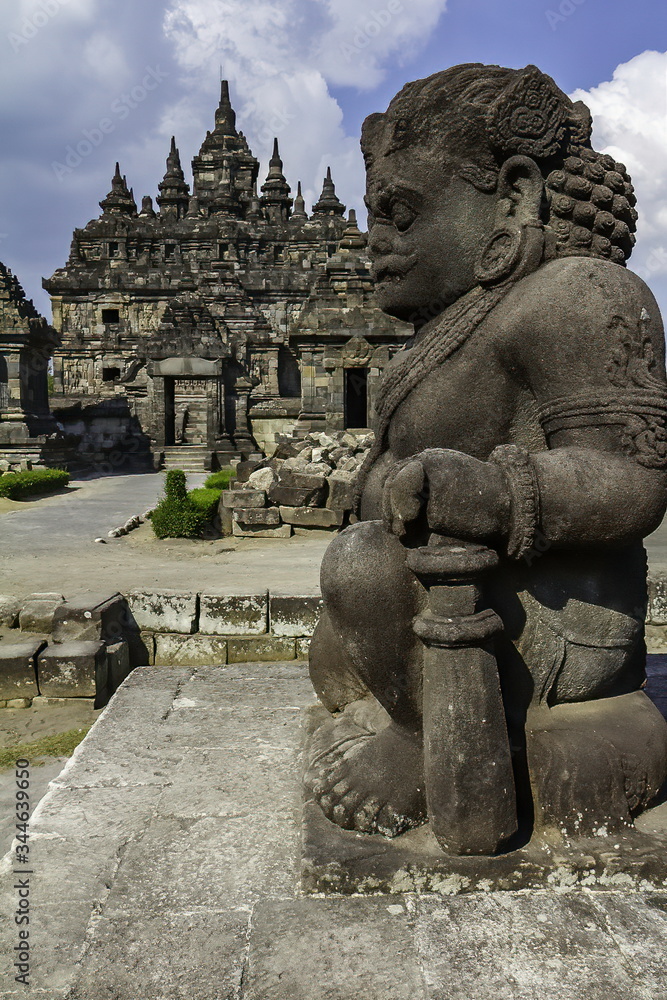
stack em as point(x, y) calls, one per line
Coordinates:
point(307, 70)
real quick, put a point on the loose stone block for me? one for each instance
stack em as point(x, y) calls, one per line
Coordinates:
point(226, 516)
point(256, 531)
point(302, 481)
point(73, 670)
point(267, 518)
point(244, 469)
point(10, 608)
point(294, 616)
point(164, 610)
point(118, 657)
point(341, 491)
point(268, 648)
point(243, 499)
point(237, 615)
point(190, 650)
point(291, 496)
point(262, 479)
point(311, 517)
point(38, 616)
point(93, 616)
point(18, 676)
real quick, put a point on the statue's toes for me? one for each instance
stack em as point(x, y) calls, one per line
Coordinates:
point(364, 817)
point(344, 812)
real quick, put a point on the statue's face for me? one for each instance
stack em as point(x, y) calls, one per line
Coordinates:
point(426, 230)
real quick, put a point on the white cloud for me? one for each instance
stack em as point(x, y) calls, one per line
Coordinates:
point(630, 123)
point(281, 57)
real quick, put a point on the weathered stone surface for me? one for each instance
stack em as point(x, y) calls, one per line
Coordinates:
point(235, 615)
point(38, 616)
point(291, 496)
point(312, 949)
point(302, 649)
point(18, 662)
point(267, 518)
point(164, 610)
point(657, 600)
point(256, 531)
point(189, 650)
point(561, 946)
point(243, 499)
point(244, 470)
point(311, 517)
point(9, 611)
point(73, 670)
point(93, 616)
point(266, 648)
point(341, 491)
point(294, 616)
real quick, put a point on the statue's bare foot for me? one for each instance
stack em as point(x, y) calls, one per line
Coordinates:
point(368, 781)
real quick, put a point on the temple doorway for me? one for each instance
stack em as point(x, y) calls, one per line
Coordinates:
point(356, 397)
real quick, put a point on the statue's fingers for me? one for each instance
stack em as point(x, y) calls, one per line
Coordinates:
point(407, 492)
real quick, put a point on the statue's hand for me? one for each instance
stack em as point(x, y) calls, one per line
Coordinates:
point(463, 497)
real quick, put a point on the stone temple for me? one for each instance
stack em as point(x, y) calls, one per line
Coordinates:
point(204, 328)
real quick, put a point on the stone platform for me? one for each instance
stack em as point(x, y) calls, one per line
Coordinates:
point(165, 864)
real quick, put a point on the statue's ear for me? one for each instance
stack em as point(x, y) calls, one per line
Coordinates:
point(520, 190)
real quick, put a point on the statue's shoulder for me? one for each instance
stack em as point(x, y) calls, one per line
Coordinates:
point(577, 299)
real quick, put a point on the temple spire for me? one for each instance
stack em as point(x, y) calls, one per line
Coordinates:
point(276, 200)
point(352, 238)
point(174, 194)
point(119, 201)
point(225, 116)
point(299, 205)
point(329, 202)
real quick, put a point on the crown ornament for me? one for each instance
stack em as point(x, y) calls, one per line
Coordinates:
point(532, 117)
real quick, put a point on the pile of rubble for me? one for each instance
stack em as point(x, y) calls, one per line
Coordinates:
point(308, 483)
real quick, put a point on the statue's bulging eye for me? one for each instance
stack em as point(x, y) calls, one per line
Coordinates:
point(402, 215)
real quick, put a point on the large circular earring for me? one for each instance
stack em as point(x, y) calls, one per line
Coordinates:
point(500, 256)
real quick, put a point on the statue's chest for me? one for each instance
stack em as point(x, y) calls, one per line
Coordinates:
point(467, 403)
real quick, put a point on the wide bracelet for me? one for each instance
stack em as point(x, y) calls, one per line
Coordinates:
point(524, 497)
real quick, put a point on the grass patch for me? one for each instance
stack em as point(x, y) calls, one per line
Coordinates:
point(220, 480)
point(60, 745)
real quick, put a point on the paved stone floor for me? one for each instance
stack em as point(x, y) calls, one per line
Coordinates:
point(165, 866)
point(49, 545)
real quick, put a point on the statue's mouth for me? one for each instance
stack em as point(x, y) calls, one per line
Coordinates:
point(393, 269)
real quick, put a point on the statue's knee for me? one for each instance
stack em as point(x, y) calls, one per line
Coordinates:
point(366, 564)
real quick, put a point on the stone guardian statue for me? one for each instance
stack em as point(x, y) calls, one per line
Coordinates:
point(481, 649)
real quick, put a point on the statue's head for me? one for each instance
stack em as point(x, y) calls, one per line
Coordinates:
point(479, 174)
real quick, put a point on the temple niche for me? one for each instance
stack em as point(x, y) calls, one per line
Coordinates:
point(224, 318)
point(27, 341)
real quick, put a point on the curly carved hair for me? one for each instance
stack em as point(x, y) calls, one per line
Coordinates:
point(474, 117)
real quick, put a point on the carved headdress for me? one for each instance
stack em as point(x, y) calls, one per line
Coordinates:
point(472, 118)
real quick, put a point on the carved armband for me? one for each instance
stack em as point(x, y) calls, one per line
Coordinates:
point(524, 493)
point(638, 419)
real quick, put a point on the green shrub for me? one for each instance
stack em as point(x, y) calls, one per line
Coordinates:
point(17, 485)
point(220, 480)
point(181, 514)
